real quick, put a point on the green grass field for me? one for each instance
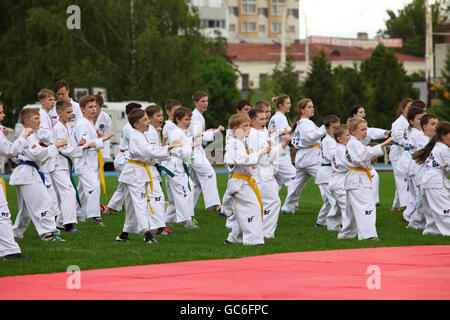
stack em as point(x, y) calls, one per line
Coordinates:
point(95, 247)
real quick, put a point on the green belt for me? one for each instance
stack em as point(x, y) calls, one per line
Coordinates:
point(186, 169)
point(161, 168)
point(72, 178)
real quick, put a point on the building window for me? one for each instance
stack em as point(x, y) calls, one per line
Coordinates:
point(263, 12)
point(233, 11)
point(277, 7)
point(276, 27)
point(245, 81)
point(262, 28)
point(249, 6)
point(291, 29)
point(293, 13)
point(232, 27)
point(248, 26)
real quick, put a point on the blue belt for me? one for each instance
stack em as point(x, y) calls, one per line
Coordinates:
point(396, 144)
point(406, 149)
point(34, 165)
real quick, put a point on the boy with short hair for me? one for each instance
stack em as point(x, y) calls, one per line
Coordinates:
point(62, 175)
point(259, 139)
point(247, 202)
point(116, 201)
point(136, 176)
point(203, 173)
point(9, 249)
point(62, 91)
point(32, 197)
point(327, 149)
point(339, 165)
point(46, 138)
point(88, 167)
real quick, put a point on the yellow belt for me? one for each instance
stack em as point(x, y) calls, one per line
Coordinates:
point(313, 146)
point(102, 172)
point(367, 171)
point(253, 185)
point(4, 185)
point(145, 165)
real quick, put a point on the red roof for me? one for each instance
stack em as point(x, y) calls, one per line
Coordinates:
point(271, 52)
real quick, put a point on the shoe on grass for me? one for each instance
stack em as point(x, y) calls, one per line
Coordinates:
point(190, 225)
point(164, 231)
point(53, 236)
point(119, 239)
point(99, 222)
point(14, 256)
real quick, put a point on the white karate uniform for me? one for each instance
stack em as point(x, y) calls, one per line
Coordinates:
point(375, 134)
point(248, 228)
point(418, 219)
point(46, 138)
point(286, 171)
point(327, 149)
point(104, 124)
point(436, 191)
point(170, 210)
point(7, 243)
point(61, 175)
point(33, 200)
point(87, 168)
point(180, 185)
point(339, 165)
point(136, 182)
point(409, 168)
point(399, 127)
point(307, 159)
point(157, 201)
point(203, 174)
point(361, 210)
point(118, 196)
point(77, 114)
point(264, 175)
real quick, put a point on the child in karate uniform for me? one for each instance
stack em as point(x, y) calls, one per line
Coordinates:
point(62, 175)
point(116, 201)
point(422, 219)
point(32, 197)
point(327, 149)
point(181, 185)
point(259, 139)
point(306, 138)
point(286, 171)
point(436, 195)
point(247, 203)
point(408, 167)
point(88, 167)
point(361, 209)
point(9, 249)
point(399, 126)
point(137, 178)
point(339, 164)
point(158, 218)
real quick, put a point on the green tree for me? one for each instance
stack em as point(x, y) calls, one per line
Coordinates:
point(320, 87)
point(409, 25)
point(388, 85)
point(137, 49)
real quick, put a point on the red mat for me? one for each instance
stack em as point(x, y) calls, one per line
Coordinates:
point(421, 272)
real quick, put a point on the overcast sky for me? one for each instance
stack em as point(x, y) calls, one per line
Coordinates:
point(345, 18)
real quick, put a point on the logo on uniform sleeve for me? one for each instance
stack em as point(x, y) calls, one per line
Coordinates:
point(5, 214)
point(267, 212)
point(368, 212)
point(158, 199)
point(447, 211)
point(210, 176)
point(43, 214)
point(250, 219)
point(102, 126)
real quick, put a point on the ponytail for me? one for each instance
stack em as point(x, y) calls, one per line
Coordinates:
point(442, 129)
